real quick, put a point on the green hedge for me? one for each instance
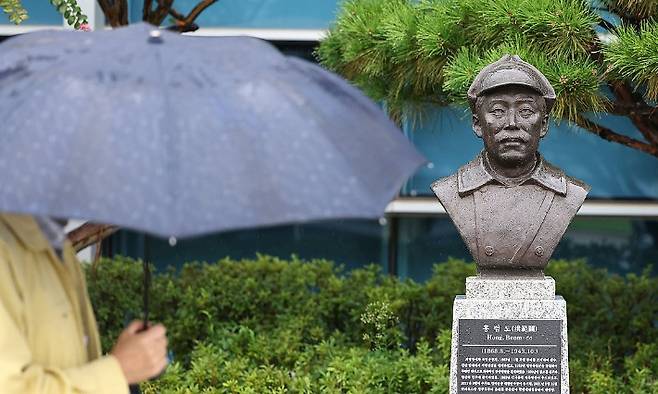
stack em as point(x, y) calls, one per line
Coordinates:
point(269, 325)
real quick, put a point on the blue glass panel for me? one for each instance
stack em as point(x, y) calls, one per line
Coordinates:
point(354, 243)
point(268, 14)
point(425, 241)
point(621, 245)
point(613, 170)
point(40, 12)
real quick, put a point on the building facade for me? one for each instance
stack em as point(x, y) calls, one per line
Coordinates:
point(616, 228)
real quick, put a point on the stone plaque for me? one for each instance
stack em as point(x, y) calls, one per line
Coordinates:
point(509, 356)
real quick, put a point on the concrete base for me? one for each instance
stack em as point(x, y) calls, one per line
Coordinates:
point(510, 289)
point(525, 307)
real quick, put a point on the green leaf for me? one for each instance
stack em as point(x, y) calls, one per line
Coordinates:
point(14, 10)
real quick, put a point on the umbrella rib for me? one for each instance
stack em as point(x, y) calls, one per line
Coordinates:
point(169, 135)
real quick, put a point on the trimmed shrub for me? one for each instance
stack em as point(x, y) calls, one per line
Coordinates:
point(268, 325)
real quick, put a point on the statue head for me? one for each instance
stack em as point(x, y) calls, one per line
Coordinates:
point(511, 100)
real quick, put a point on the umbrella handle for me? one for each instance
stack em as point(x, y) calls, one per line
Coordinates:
point(146, 287)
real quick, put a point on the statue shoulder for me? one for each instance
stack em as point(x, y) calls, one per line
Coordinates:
point(578, 185)
point(471, 173)
point(576, 191)
point(445, 187)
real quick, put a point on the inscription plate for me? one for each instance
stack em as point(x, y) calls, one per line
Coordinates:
point(509, 356)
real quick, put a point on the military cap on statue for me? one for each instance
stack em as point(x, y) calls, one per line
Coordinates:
point(511, 70)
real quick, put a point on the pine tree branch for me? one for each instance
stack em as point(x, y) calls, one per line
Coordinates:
point(623, 109)
point(644, 117)
point(607, 25)
point(611, 136)
point(625, 94)
point(626, 17)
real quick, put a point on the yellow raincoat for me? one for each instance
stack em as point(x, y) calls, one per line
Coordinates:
point(48, 335)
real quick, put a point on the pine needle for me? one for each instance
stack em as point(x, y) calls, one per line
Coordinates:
point(633, 55)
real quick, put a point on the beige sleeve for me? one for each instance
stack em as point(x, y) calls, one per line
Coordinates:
point(20, 375)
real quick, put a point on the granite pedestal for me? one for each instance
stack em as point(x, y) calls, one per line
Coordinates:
point(509, 336)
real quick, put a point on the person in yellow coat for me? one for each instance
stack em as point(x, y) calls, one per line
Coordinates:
point(49, 341)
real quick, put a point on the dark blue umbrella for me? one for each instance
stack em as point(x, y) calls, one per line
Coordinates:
point(179, 135)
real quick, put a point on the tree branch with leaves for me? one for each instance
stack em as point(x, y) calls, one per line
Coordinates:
point(14, 10)
point(410, 53)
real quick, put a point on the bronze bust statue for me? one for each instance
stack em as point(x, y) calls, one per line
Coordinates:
point(510, 206)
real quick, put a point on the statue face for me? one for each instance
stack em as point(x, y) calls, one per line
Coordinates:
point(511, 120)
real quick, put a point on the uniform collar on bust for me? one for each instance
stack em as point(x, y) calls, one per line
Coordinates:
point(474, 175)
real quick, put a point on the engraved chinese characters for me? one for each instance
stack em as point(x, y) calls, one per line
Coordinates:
point(509, 356)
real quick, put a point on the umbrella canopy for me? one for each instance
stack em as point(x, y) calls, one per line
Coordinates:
point(180, 136)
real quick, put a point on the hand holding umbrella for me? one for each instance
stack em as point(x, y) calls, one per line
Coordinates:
point(141, 353)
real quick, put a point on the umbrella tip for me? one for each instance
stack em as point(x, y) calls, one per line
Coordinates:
point(155, 36)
